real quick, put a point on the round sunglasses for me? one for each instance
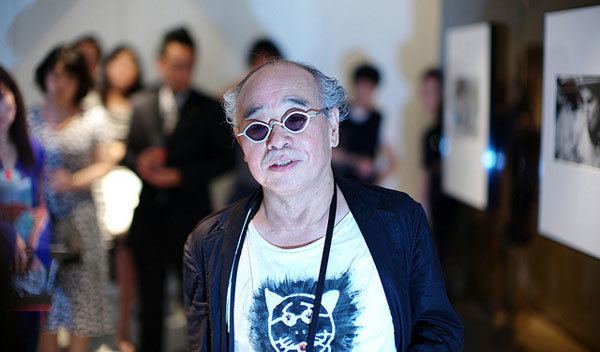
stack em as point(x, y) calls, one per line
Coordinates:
point(294, 121)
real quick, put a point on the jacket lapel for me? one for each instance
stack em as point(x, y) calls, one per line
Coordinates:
point(380, 228)
point(232, 245)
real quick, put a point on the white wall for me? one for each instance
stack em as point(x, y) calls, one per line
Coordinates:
point(334, 35)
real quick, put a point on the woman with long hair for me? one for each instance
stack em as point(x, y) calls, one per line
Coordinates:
point(23, 218)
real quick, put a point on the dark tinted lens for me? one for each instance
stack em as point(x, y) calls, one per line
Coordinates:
point(257, 131)
point(295, 122)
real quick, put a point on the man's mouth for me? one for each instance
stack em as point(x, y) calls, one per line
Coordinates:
point(283, 164)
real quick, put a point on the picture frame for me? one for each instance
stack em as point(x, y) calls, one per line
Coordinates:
point(570, 151)
point(467, 108)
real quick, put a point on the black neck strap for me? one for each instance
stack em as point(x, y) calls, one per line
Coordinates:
point(254, 205)
point(312, 328)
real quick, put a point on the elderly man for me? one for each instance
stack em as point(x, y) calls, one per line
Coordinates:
point(306, 245)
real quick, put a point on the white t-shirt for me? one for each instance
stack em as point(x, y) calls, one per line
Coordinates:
point(275, 289)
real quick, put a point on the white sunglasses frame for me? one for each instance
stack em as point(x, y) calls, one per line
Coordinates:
point(310, 113)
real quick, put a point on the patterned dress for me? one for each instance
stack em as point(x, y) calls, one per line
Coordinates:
point(80, 302)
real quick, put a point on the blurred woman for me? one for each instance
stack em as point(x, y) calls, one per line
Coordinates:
point(78, 151)
point(121, 77)
point(118, 192)
point(23, 218)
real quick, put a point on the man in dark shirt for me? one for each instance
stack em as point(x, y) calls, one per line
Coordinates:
point(359, 134)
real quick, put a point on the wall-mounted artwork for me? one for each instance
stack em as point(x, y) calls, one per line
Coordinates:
point(577, 132)
point(467, 113)
point(570, 170)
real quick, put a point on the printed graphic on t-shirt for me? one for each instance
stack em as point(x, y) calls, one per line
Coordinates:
point(282, 311)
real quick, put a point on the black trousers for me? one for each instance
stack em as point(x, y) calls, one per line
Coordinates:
point(157, 246)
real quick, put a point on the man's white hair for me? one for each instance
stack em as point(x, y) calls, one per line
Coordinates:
point(332, 94)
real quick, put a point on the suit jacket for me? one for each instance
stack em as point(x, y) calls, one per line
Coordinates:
point(395, 229)
point(200, 146)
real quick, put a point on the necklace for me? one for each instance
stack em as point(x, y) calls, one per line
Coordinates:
point(8, 157)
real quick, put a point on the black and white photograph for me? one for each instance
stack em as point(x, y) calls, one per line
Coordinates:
point(578, 119)
point(466, 101)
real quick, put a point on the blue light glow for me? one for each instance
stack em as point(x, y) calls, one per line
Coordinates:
point(500, 161)
point(445, 146)
point(488, 159)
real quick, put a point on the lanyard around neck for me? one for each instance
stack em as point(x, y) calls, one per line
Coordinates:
point(254, 203)
point(312, 328)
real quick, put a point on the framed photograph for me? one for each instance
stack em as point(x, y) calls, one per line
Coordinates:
point(467, 94)
point(570, 167)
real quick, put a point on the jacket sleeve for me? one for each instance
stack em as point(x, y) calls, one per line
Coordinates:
point(194, 297)
point(436, 327)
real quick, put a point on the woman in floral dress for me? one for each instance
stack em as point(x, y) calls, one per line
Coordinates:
point(79, 150)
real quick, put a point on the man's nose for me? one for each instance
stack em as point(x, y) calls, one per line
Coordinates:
point(279, 137)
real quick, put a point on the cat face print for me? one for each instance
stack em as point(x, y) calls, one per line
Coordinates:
point(290, 316)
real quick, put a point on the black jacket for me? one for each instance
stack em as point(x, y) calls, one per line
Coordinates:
point(395, 229)
point(199, 146)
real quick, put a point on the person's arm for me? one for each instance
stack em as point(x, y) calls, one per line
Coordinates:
point(17, 257)
point(364, 166)
point(106, 156)
point(136, 140)
point(195, 298)
point(388, 162)
point(41, 218)
point(436, 327)
point(12, 257)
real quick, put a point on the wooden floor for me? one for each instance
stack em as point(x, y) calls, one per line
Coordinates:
point(536, 334)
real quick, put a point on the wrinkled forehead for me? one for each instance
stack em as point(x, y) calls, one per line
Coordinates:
point(279, 86)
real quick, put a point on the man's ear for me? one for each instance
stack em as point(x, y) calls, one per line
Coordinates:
point(334, 127)
point(239, 141)
point(244, 154)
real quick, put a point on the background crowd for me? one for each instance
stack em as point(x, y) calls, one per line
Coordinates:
point(111, 170)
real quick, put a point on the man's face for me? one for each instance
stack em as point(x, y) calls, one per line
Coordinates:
point(364, 90)
point(286, 163)
point(176, 66)
point(431, 95)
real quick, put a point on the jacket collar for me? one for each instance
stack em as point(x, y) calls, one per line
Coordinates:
point(361, 199)
point(377, 223)
point(233, 227)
